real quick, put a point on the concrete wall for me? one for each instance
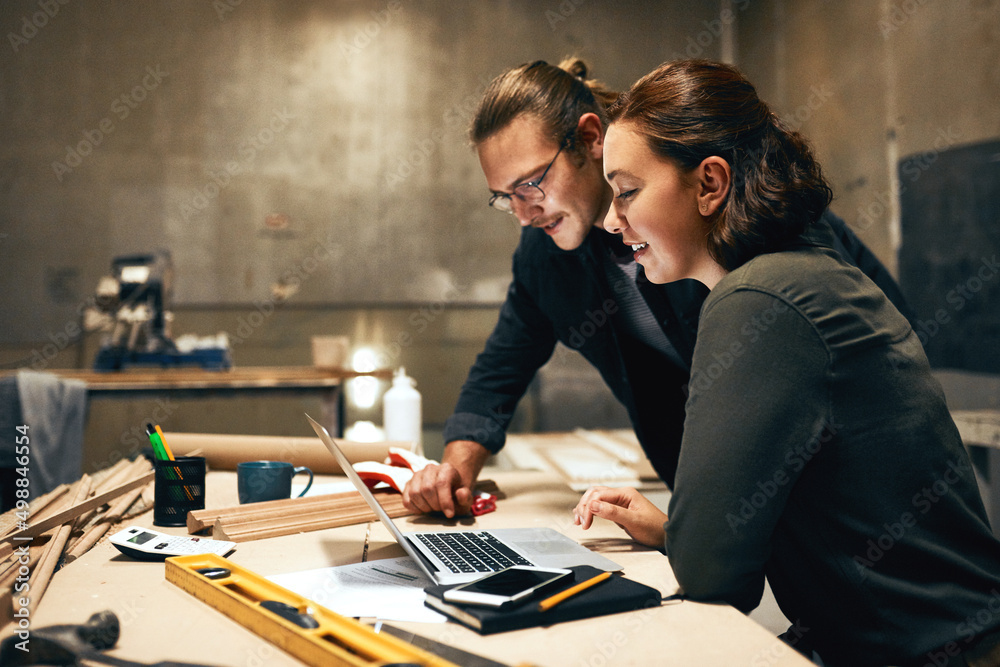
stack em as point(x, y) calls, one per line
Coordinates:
point(871, 83)
point(192, 125)
point(186, 125)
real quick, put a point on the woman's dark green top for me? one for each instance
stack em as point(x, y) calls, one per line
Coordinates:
point(818, 451)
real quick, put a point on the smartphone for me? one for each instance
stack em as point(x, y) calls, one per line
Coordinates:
point(507, 588)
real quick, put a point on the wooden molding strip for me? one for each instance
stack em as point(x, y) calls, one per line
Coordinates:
point(274, 518)
point(199, 520)
point(248, 530)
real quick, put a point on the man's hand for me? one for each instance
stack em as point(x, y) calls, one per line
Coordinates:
point(641, 519)
point(447, 487)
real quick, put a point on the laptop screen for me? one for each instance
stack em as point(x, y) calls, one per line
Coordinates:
point(362, 488)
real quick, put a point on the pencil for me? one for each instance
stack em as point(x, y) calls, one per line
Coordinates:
point(170, 456)
point(548, 603)
point(163, 441)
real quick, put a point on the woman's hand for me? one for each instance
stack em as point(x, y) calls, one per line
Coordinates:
point(641, 519)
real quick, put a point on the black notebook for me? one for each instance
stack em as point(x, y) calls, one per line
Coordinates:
point(614, 595)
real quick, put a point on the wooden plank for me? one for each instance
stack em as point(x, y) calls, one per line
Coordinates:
point(199, 520)
point(345, 511)
point(331, 509)
point(259, 530)
point(259, 377)
point(115, 512)
point(112, 476)
point(46, 566)
point(76, 510)
point(326, 511)
point(9, 520)
point(249, 522)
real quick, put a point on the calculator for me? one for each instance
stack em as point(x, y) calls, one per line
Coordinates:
point(146, 544)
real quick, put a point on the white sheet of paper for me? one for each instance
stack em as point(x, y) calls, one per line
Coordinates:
point(391, 589)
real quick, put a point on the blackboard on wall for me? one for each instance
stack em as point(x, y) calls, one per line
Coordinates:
point(949, 262)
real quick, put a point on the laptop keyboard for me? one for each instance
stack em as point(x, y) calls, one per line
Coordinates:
point(470, 552)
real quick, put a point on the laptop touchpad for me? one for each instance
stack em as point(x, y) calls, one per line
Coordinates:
point(550, 548)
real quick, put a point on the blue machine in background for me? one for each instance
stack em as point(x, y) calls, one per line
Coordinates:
point(133, 304)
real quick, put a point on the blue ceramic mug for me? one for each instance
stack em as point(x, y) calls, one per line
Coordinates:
point(257, 481)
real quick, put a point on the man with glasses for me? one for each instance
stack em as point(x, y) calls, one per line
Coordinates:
point(529, 192)
point(539, 135)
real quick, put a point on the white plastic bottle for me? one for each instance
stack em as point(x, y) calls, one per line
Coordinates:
point(401, 415)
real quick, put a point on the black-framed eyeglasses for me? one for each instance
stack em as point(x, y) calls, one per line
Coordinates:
point(530, 192)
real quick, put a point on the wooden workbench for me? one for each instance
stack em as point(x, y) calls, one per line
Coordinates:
point(234, 382)
point(162, 622)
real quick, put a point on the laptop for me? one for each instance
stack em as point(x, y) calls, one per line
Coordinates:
point(458, 556)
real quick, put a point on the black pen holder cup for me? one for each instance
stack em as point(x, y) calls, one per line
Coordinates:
point(179, 487)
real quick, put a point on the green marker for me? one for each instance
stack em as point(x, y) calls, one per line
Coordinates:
point(154, 439)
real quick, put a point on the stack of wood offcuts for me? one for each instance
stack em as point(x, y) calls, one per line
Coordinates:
point(57, 528)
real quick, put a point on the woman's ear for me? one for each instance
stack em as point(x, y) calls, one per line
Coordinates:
point(714, 181)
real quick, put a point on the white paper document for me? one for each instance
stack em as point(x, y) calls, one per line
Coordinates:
point(391, 589)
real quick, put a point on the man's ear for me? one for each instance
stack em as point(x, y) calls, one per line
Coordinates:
point(714, 180)
point(590, 129)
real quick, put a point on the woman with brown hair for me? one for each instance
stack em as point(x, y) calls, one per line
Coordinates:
point(817, 451)
point(539, 135)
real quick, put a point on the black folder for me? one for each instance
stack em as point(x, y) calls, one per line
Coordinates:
point(616, 594)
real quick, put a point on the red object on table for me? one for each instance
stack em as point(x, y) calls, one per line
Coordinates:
point(484, 503)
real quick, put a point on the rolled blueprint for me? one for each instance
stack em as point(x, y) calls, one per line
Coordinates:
point(223, 452)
